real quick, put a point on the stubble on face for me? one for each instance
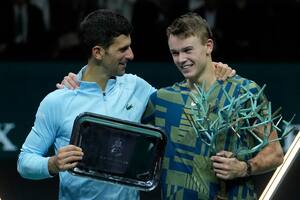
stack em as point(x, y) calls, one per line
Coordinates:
point(118, 55)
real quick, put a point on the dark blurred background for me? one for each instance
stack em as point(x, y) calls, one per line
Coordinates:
point(39, 45)
point(244, 30)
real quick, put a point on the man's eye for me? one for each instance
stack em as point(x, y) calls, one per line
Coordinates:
point(174, 53)
point(124, 49)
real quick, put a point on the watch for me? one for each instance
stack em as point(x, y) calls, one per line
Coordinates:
point(249, 168)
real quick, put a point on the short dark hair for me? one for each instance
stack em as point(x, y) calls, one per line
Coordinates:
point(190, 24)
point(100, 27)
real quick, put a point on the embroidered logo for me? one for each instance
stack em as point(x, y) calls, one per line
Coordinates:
point(129, 106)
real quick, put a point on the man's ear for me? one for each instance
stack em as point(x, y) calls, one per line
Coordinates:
point(210, 46)
point(98, 52)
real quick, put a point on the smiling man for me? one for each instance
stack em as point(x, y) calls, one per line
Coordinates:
point(190, 171)
point(104, 89)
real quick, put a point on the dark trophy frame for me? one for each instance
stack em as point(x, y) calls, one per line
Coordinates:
point(118, 151)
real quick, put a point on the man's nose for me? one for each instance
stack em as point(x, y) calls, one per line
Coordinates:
point(129, 54)
point(181, 58)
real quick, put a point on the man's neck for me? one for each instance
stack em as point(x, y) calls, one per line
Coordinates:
point(96, 74)
point(207, 77)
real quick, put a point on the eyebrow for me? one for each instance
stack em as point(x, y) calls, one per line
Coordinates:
point(124, 47)
point(182, 49)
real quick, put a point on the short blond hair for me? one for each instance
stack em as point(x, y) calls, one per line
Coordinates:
point(190, 24)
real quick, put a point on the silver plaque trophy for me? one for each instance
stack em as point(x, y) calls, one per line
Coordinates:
point(118, 151)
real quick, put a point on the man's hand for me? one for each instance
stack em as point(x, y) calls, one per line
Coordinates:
point(69, 81)
point(223, 71)
point(228, 167)
point(66, 158)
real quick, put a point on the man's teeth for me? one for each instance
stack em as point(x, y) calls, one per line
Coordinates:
point(186, 66)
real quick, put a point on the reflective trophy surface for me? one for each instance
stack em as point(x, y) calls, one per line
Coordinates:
point(118, 151)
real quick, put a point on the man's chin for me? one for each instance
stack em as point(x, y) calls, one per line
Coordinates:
point(121, 73)
point(122, 70)
point(187, 75)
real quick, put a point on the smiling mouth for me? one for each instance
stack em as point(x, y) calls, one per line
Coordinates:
point(183, 67)
point(123, 64)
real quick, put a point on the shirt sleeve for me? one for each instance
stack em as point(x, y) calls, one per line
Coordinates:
point(33, 159)
point(255, 89)
point(148, 89)
point(143, 90)
point(149, 114)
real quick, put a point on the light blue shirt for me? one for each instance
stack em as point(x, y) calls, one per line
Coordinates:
point(125, 97)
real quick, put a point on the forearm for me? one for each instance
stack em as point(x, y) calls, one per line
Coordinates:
point(267, 160)
point(32, 166)
point(227, 167)
point(270, 157)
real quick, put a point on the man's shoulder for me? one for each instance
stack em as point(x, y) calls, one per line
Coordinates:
point(239, 80)
point(175, 93)
point(133, 81)
point(58, 95)
point(177, 87)
point(52, 101)
point(244, 83)
point(129, 77)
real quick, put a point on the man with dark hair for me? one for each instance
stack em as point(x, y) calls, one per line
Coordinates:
point(104, 89)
